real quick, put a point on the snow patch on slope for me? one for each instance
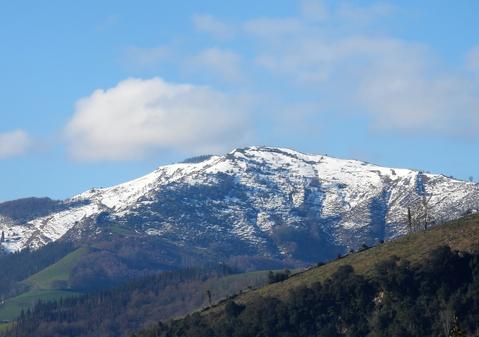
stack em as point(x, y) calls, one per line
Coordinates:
point(264, 189)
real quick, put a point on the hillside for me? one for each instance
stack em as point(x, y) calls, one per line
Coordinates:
point(411, 281)
point(135, 304)
point(286, 207)
point(46, 285)
point(58, 270)
point(461, 235)
point(23, 264)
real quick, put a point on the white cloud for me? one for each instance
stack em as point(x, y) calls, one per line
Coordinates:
point(13, 143)
point(137, 116)
point(219, 62)
point(211, 25)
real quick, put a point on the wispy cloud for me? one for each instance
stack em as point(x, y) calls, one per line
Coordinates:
point(221, 63)
point(315, 9)
point(397, 84)
point(212, 25)
point(137, 117)
point(146, 57)
point(472, 59)
point(108, 22)
point(364, 14)
point(273, 28)
point(14, 143)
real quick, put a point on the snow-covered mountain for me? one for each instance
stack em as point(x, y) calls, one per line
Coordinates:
point(256, 201)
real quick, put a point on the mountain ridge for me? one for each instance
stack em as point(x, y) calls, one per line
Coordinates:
point(256, 201)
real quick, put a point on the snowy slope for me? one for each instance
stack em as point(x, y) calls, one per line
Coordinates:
point(258, 201)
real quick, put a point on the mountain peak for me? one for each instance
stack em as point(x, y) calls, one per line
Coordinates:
point(273, 202)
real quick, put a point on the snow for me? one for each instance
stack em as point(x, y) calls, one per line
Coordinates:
point(275, 181)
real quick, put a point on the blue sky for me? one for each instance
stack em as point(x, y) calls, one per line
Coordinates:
point(94, 93)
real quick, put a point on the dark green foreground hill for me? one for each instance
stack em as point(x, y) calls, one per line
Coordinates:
point(424, 284)
point(135, 304)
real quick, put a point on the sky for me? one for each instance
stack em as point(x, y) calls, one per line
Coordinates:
point(95, 93)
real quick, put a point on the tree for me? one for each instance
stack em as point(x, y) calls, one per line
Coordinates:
point(232, 309)
point(426, 198)
point(2, 239)
point(279, 276)
point(409, 219)
point(208, 293)
point(418, 213)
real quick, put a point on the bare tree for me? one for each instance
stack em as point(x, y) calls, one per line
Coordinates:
point(419, 213)
point(208, 293)
point(409, 220)
point(426, 198)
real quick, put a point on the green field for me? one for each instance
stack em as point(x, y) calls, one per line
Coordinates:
point(13, 306)
point(57, 272)
point(5, 326)
point(43, 286)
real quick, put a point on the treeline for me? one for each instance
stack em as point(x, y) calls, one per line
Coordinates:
point(18, 266)
point(28, 208)
point(275, 277)
point(132, 306)
point(114, 260)
point(440, 297)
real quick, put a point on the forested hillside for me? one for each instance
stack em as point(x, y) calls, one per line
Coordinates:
point(423, 284)
point(23, 210)
point(135, 305)
point(439, 297)
point(18, 266)
point(62, 270)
